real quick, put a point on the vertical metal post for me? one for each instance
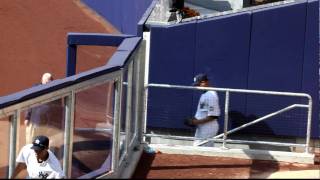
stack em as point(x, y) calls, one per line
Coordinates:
point(13, 142)
point(140, 89)
point(146, 36)
point(136, 91)
point(116, 124)
point(309, 125)
point(226, 119)
point(68, 134)
point(128, 106)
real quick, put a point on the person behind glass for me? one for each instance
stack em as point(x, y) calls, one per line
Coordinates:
point(207, 114)
point(37, 117)
point(39, 161)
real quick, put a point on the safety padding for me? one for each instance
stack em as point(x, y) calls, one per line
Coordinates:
point(171, 62)
point(133, 10)
point(222, 52)
point(55, 85)
point(129, 44)
point(124, 51)
point(310, 81)
point(276, 63)
point(122, 14)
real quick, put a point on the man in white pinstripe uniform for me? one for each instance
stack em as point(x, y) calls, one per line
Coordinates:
point(208, 112)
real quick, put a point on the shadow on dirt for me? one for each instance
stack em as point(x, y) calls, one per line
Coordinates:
point(144, 166)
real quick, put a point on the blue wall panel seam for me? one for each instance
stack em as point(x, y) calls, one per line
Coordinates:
point(304, 49)
point(194, 58)
point(248, 65)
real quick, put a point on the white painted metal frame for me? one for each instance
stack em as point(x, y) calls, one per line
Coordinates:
point(225, 133)
point(13, 112)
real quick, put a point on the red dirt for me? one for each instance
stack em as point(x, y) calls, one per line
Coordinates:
point(33, 40)
point(174, 166)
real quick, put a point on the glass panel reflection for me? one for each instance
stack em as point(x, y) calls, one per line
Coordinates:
point(123, 122)
point(93, 134)
point(46, 119)
point(133, 101)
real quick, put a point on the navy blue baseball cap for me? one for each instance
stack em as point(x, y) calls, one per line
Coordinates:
point(40, 143)
point(198, 78)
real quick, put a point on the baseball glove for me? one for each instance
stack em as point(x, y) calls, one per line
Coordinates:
point(188, 122)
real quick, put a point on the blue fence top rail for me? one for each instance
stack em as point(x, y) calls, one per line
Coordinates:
point(96, 39)
point(127, 44)
point(145, 17)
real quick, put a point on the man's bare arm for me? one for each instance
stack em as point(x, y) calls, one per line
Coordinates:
point(18, 169)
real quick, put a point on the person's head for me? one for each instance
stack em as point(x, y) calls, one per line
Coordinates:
point(40, 145)
point(46, 77)
point(201, 80)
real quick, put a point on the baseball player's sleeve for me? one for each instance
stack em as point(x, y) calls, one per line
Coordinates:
point(213, 105)
point(57, 170)
point(21, 158)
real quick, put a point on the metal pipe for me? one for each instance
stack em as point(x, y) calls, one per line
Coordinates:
point(13, 142)
point(108, 130)
point(226, 119)
point(129, 105)
point(221, 140)
point(230, 90)
point(146, 36)
point(256, 121)
point(309, 125)
point(68, 133)
point(116, 123)
point(261, 119)
point(227, 90)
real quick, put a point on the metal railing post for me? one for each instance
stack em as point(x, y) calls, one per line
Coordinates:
point(128, 111)
point(228, 90)
point(226, 119)
point(68, 134)
point(308, 125)
point(146, 37)
point(13, 142)
point(116, 123)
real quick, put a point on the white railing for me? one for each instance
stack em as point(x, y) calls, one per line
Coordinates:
point(225, 133)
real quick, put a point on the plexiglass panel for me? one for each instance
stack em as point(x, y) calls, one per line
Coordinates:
point(93, 131)
point(46, 119)
point(4, 147)
point(123, 122)
point(133, 76)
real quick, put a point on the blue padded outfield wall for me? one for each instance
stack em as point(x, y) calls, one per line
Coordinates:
point(122, 14)
point(273, 48)
point(172, 60)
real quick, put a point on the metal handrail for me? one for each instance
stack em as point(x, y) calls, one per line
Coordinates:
point(226, 120)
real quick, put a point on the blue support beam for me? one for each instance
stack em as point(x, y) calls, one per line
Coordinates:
point(92, 39)
point(71, 60)
point(96, 39)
